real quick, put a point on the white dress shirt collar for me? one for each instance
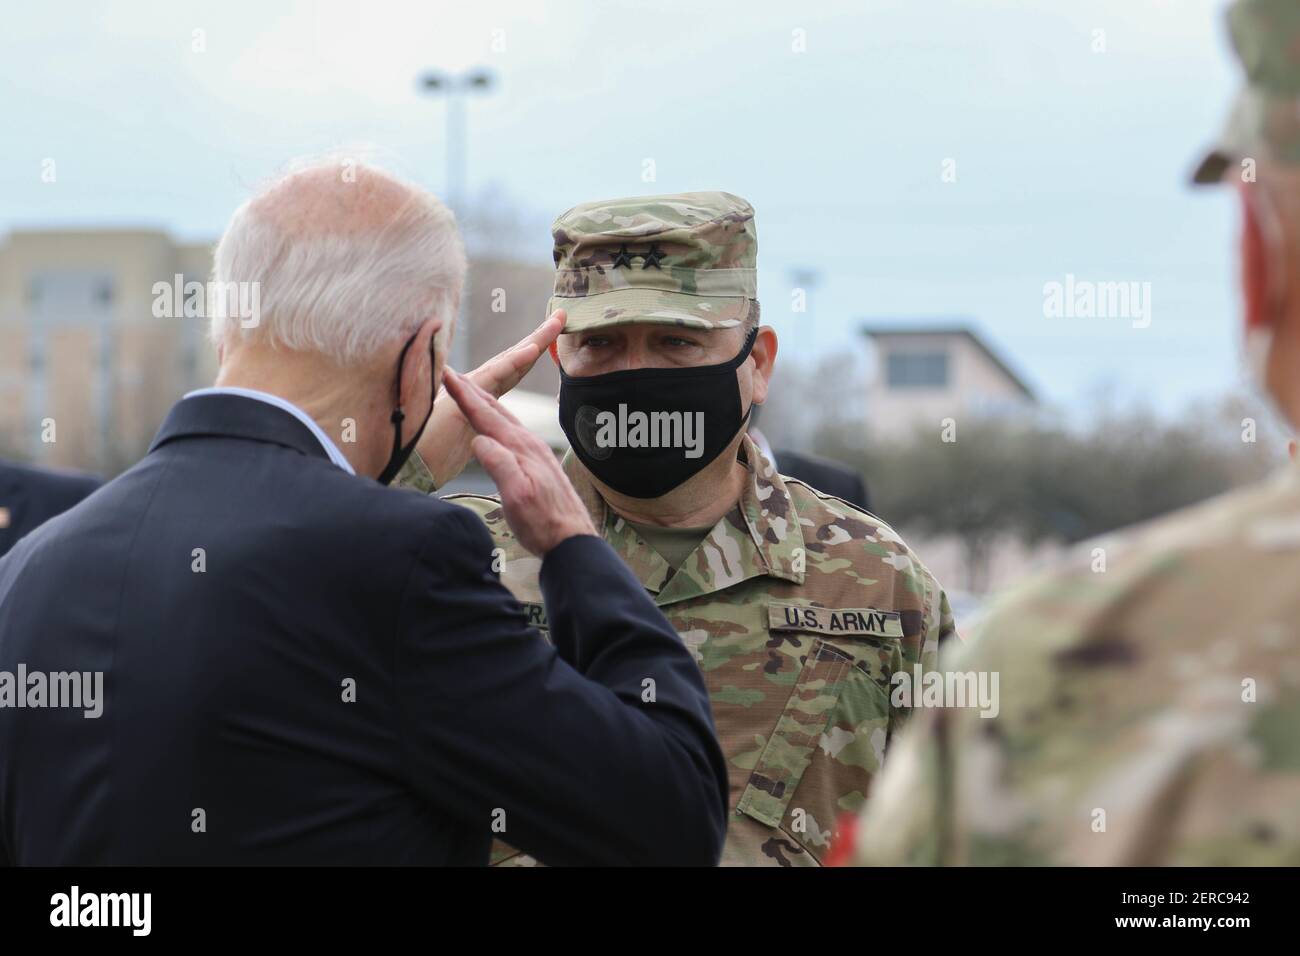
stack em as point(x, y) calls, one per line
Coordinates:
point(326, 442)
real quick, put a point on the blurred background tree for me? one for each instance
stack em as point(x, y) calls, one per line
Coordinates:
point(1046, 480)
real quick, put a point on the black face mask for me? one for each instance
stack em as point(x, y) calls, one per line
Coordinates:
point(644, 431)
point(399, 455)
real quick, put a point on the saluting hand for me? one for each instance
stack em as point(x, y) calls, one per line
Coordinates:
point(540, 504)
point(445, 445)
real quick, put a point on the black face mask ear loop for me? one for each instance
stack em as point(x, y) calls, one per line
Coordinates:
point(399, 455)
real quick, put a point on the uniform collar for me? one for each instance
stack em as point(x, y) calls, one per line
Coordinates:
point(761, 536)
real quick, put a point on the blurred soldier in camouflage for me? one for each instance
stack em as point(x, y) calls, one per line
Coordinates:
point(1150, 706)
point(797, 606)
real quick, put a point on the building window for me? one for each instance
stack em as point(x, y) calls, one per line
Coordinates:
point(71, 296)
point(917, 369)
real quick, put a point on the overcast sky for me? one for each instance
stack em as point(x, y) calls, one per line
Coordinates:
point(1068, 159)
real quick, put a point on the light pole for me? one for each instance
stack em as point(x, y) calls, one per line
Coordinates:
point(454, 87)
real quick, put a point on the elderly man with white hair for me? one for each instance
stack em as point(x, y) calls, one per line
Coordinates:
point(301, 666)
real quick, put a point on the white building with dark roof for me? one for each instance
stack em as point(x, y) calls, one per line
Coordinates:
point(924, 374)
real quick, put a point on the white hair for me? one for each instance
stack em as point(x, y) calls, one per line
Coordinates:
point(347, 295)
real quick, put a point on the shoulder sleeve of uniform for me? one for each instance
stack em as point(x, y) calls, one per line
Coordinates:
point(488, 510)
point(845, 531)
point(817, 493)
point(487, 507)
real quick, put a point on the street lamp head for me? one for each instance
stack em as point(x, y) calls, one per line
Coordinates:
point(475, 81)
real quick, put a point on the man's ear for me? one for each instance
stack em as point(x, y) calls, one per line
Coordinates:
point(439, 352)
point(1254, 261)
point(764, 356)
point(555, 354)
point(420, 371)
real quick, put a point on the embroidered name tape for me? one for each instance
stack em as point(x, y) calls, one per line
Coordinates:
point(842, 621)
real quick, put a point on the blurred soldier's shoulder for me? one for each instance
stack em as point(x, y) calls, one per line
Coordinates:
point(1243, 542)
point(1149, 694)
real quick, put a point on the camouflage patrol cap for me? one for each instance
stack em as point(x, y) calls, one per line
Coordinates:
point(684, 259)
point(1265, 121)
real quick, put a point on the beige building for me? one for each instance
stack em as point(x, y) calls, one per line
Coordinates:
point(86, 370)
point(923, 375)
point(94, 351)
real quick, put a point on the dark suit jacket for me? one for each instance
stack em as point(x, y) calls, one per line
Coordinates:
point(234, 584)
point(30, 496)
point(826, 476)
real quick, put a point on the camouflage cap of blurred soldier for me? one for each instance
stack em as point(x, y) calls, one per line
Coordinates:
point(1259, 151)
point(1264, 123)
point(1149, 686)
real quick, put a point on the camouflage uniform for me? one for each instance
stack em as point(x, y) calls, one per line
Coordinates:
point(798, 606)
point(1150, 689)
point(799, 609)
point(1148, 711)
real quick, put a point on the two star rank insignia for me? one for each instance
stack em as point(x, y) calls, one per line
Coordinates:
point(623, 258)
